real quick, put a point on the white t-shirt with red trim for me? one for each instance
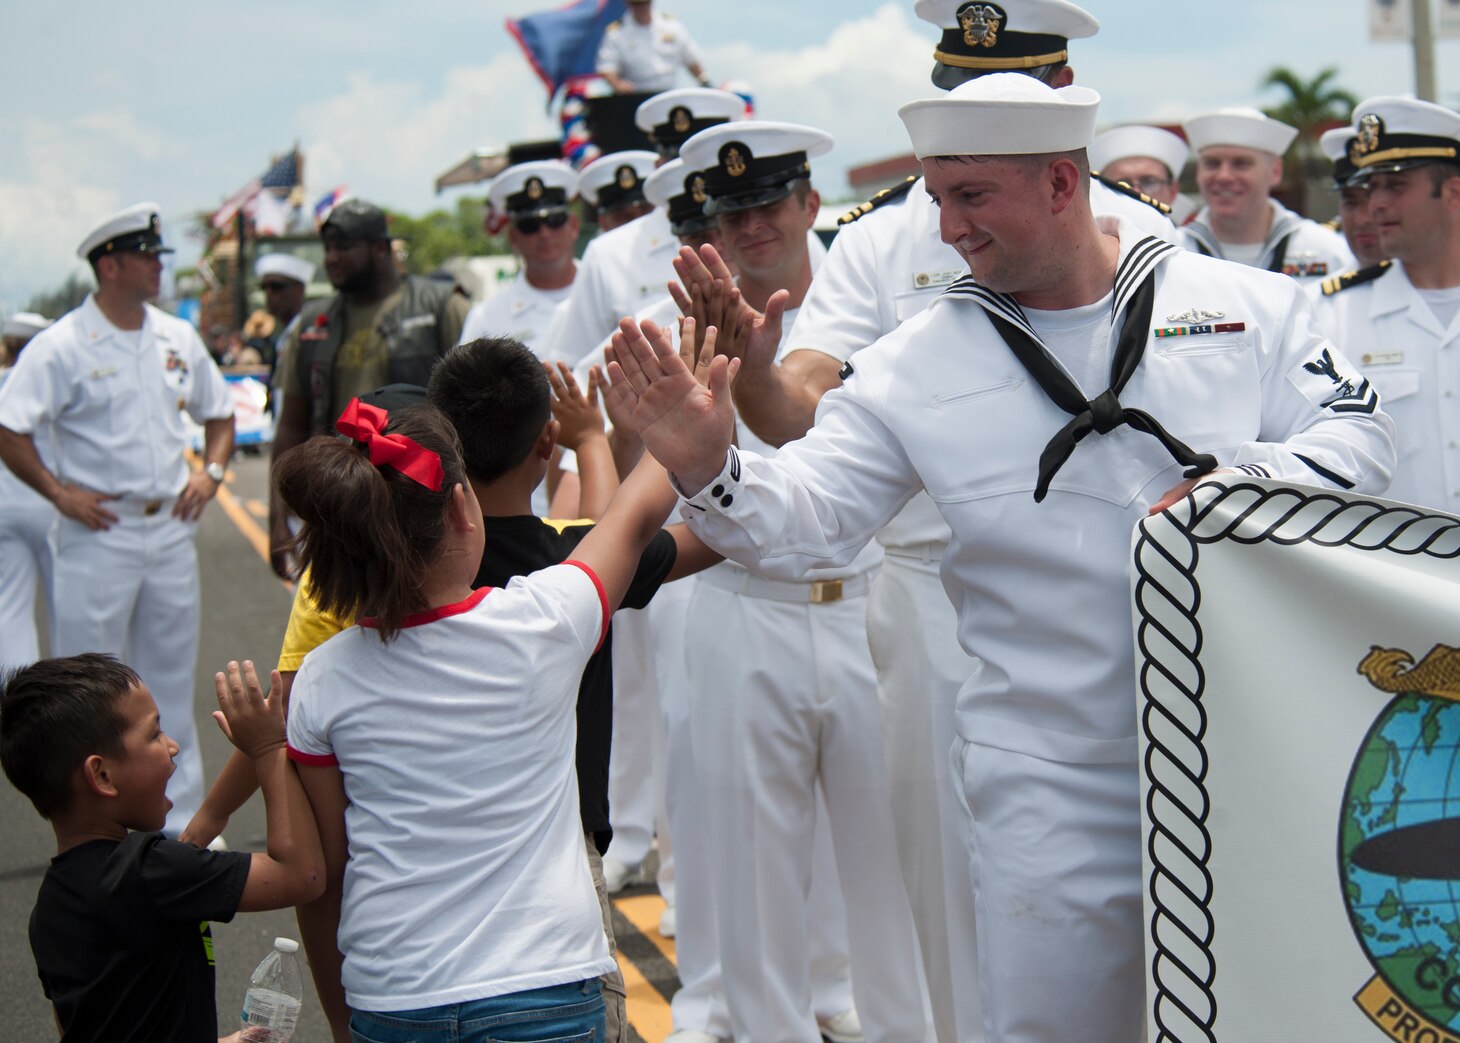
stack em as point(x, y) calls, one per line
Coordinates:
point(467, 876)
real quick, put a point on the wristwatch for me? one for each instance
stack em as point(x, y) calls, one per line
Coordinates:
point(214, 471)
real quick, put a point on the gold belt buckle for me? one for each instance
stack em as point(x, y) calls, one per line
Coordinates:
point(826, 590)
point(151, 507)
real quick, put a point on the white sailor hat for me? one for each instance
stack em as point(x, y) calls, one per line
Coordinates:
point(1241, 127)
point(287, 265)
point(1014, 35)
point(24, 324)
point(616, 179)
point(1004, 114)
point(681, 190)
point(1152, 142)
point(673, 117)
point(753, 163)
point(539, 188)
point(1334, 144)
point(136, 229)
point(1393, 134)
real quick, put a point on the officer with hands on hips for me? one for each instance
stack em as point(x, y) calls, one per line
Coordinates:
point(991, 401)
point(113, 377)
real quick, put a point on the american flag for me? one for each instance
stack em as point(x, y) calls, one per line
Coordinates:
point(282, 173)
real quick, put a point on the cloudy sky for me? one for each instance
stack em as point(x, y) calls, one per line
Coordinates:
point(182, 102)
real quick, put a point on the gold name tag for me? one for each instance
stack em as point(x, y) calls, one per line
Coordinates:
point(928, 280)
point(1382, 358)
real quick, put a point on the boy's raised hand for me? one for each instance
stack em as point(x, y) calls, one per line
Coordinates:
point(252, 721)
point(578, 415)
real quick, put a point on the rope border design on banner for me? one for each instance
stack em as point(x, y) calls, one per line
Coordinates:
point(1167, 601)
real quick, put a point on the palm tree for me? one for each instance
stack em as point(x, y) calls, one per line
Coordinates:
point(1312, 106)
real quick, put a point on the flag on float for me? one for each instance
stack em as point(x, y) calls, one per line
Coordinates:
point(327, 202)
point(282, 173)
point(270, 214)
point(562, 45)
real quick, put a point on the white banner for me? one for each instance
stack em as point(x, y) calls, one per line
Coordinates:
point(1392, 19)
point(1300, 721)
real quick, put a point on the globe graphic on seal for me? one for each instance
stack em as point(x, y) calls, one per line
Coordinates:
point(1399, 851)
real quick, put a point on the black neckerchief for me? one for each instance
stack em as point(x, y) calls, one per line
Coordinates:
point(1135, 294)
point(1279, 255)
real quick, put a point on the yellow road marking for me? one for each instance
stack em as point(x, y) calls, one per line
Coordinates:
point(257, 508)
point(643, 912)
point(648, 1010)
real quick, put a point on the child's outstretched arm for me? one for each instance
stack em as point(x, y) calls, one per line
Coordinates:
point(292, 871)
point(644, 501)
point(581, 430)
point(234, 785)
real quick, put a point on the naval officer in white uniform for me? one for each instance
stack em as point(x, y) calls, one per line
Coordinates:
point(625, 269)
point(1148, 159)
point(1238, 163)
point(542, 231)
point(973, 401)
point(1401, 321)
point(113, 378)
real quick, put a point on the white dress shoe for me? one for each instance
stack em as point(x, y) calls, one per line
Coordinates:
point(845, 1027)
point(667, 922)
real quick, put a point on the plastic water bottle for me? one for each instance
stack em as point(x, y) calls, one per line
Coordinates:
point(275, 994)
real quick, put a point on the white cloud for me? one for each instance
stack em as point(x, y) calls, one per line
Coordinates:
point(389, 139)
point(849, 84)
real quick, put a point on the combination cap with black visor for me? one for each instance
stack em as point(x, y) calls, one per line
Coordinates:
point(616, 179)
point(1395, 134)
point(680, 190)
point(981, 37)
point(671, 118)
point(137, 229)
point(754, 163)
point(534, 193)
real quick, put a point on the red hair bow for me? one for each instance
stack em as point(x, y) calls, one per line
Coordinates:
point(366, 423)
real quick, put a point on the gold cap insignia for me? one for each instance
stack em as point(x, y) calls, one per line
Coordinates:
point(679, 120)
point(627, 178)
point(734, 160)
point(697, 189)
point(1367, 139)
point(534, 188)
point(980, 23)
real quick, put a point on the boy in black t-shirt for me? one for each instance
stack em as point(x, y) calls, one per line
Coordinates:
point(120, 929)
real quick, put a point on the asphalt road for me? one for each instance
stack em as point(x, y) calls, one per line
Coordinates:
point(245, 609)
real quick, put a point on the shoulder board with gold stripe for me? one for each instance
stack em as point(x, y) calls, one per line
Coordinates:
point(1348, 280)
point(1135, 193)
point(1336, 225)
point(613, 27)
point(887, 195)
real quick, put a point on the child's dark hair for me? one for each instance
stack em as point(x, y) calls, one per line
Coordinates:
point(496, 395)
point(370, 533)
point(53, 715)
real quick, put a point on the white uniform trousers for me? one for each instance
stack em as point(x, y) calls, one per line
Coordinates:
point(913, 633)
point(25, 565)
point(132, 590)
point(637, 761)
point(1055, 851)
point(783, 696)
point(699, 1004)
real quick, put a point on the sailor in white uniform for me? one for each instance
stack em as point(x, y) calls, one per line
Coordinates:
point(1148, 159)
point(542, 231)
point(1238, 163)
point(782, 693)
point(26, 521)
point(1355, 219)
point(973, 401)
point(113, 378)
point(1400, 321)
point(886, 264)
point(644, 50)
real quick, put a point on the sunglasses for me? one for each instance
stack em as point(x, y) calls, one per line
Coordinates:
point(273, 287)
point(530, 225)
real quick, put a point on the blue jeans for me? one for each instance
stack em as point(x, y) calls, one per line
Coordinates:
point(571, 1013)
